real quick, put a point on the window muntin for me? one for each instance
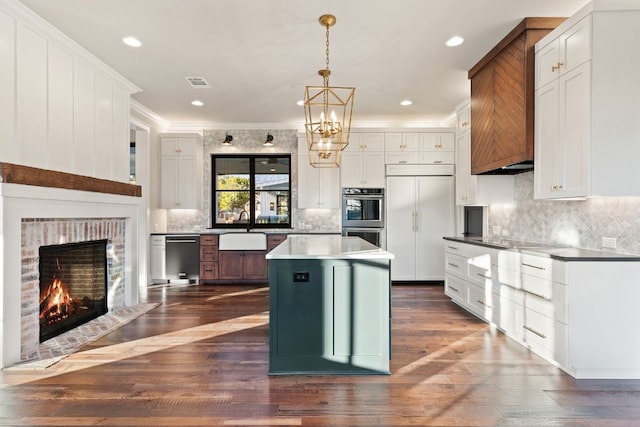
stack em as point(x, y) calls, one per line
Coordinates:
point(251, 191)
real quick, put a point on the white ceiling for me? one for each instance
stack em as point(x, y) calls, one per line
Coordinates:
point(258, 55)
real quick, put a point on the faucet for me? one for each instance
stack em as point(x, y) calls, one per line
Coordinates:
point(241, 213)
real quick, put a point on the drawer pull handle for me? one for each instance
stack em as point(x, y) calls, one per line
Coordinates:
point(543, 336)
point(482, 302)
point(537, 295)
point(537, 267)
point(453, 265)
point(452, 247)
point(454, 289)
point(482, 275)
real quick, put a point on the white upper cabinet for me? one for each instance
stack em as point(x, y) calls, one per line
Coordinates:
point(180, 172)
point(586, 129)
point(419, 147)
point(318, 188)
point(363, 161)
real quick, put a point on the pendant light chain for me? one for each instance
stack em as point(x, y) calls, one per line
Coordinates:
point(326, 76)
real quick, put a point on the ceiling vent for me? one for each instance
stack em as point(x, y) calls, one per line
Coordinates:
point(197, 82)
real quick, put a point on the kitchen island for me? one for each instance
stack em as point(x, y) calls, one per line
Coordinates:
point(329, 306)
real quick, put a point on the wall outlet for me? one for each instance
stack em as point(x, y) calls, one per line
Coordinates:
point(496, 230)
point(609, 242)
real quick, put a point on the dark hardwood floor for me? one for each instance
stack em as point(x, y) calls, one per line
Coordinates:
point(200, 359)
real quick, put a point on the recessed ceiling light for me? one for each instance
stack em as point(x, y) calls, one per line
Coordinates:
point(454, 41)
point(131, 41)
point(197, 103)
point(301, 102)
point(406, 102)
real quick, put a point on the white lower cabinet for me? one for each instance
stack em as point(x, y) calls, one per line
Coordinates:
point(576, 314)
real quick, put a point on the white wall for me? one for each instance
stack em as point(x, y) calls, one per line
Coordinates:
point(61, 108)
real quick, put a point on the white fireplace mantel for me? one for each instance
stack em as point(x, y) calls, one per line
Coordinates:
point(18, 202)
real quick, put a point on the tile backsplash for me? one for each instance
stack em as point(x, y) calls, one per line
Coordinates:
point(579, 223)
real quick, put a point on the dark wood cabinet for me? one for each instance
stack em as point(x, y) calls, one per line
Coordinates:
point(242, 265)
point(274, 240)
point(208, 258)
point(502, 96)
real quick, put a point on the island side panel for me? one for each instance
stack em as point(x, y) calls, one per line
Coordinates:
point(329, 316)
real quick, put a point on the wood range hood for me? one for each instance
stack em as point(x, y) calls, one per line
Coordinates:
point(502, 96)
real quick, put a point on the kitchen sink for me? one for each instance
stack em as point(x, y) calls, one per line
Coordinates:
point(242, 242)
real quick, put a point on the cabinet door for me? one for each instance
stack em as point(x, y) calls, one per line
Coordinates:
point(373, 169)
point(548, 151)
point(230, 266)
point(434, 219)
point(439, 141)
point(255, 265)
point(401, 235)
point(351, 173)
point(169, 181)
point(466, 184)
point(317, 187)
point(574, 130)
point(188, 188)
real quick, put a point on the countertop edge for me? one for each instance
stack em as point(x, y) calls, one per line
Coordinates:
point(590, 255)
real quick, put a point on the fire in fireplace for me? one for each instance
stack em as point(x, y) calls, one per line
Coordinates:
point(73, 285)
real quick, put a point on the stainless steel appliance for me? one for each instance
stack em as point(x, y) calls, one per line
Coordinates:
point(363, 207)
point(182, 260)
point(363, 214)
point(371, 235)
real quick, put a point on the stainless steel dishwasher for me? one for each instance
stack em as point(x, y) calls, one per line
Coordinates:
point(182, 260)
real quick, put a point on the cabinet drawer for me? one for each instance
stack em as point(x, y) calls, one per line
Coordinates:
point(508, 316)
point(537, 266)
point(208, 240)
point(538, 328)
point(401, 158)
point(437, 157)
point(540, 287)
point(554, 308)
point(208, 253)
point(508, 277)
point(456, 289)
point(208, 271)
point(479, 274)
point(274, 240)
point(157, 240)
point(480, 301)
point(456, 264)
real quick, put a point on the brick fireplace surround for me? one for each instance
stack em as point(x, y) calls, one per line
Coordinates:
point(35, 212)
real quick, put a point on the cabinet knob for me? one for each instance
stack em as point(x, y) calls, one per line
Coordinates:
point(556, 67)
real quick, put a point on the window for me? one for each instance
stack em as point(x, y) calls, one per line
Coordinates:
point(251, 191)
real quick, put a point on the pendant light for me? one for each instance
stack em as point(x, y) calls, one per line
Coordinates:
point(328, 112)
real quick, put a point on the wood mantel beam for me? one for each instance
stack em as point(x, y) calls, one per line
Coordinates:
point(17, 174)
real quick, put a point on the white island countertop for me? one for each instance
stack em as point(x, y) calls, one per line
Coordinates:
point(327, 247)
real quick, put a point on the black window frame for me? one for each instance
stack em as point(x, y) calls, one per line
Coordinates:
point(252, 190)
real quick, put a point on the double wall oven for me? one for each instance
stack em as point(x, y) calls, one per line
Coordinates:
point(363, 214)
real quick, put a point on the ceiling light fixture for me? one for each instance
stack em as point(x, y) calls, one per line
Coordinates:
point(197, 103)
point(131, 41)
point(406, 102)
point(454, 41)
point(227, 139)
point(269, 141)
point(328, 112)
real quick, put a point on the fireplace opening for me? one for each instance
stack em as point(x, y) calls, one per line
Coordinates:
point(73, 285)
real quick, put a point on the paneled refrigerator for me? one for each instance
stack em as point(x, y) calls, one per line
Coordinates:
point(420, 211)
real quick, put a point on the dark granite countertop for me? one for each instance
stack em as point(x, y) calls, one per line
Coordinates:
point(253, 230)
point(562, 253)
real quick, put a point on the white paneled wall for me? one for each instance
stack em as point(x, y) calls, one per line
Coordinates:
point(61, 108)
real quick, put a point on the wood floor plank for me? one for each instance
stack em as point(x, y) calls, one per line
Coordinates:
point(201, 358)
